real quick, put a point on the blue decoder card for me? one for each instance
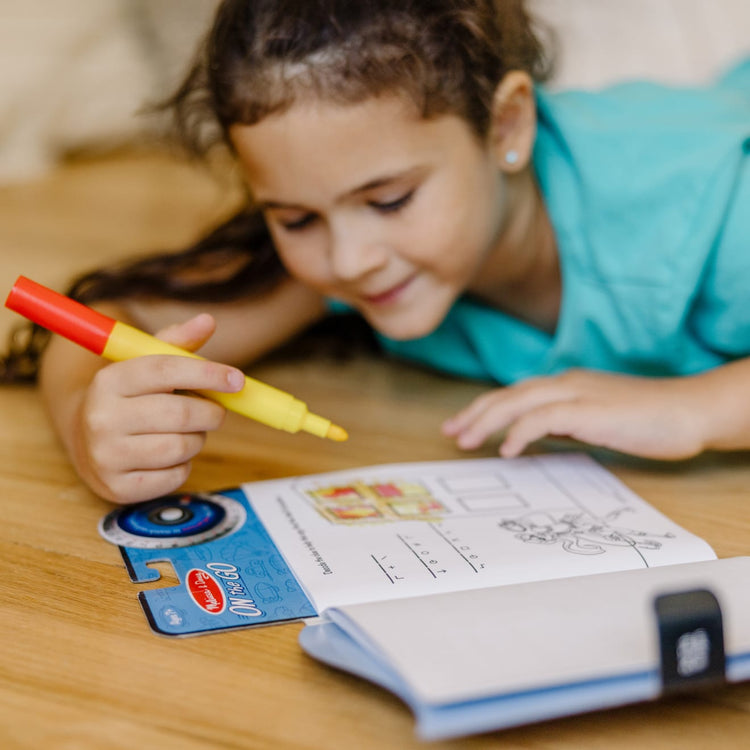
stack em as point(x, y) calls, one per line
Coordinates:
point(231, 574)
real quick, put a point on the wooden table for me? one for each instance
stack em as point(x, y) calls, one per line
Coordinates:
point(79, 667)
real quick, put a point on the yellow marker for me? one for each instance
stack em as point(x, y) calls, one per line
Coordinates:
point(118, 341)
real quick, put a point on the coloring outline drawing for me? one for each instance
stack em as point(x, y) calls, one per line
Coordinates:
point(579, 532)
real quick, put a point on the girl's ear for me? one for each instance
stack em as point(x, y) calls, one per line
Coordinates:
point(513, 126)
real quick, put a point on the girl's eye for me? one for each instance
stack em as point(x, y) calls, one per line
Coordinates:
point(395, 205)
point(298, 224)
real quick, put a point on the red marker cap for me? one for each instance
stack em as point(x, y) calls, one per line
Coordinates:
point(60, 314)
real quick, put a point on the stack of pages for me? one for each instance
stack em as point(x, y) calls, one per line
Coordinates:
point(474, 661)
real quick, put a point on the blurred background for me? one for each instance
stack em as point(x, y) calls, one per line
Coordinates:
point(75, 73)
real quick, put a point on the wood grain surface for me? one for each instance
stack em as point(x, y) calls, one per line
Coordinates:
point(79, 667)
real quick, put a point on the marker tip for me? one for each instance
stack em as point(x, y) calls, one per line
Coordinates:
point(339, 434)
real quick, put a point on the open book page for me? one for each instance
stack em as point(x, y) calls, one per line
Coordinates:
point(403, 530)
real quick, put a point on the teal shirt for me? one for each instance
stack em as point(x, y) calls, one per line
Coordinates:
point(648, 191)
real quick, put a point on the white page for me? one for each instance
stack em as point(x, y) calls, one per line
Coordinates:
point(472, 524)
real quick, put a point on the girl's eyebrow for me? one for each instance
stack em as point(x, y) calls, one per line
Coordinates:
point(370, 185)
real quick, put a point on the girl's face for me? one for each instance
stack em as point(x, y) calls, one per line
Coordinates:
point(374, 205)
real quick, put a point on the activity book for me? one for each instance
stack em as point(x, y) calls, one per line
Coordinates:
point(486, 593)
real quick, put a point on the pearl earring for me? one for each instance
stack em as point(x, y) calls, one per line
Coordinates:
point(511, 157)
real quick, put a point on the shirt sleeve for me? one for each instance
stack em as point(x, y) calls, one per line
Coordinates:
point(721, 314)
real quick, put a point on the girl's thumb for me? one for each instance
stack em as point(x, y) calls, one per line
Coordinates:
point(190, 335)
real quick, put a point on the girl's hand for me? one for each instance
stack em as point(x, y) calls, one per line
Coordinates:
point(136, 436)
point(649, 417)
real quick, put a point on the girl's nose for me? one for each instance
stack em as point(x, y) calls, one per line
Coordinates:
point(355, 254)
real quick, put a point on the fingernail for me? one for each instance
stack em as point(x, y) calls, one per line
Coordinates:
point(507, 451)
point(466, 442)
point(236, 380)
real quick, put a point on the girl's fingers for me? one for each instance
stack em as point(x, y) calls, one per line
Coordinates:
point(460, 421)
point(148, 452)
point(140, 432)
point(163, 373)
point(157, 413)
point(568, 419)
point(634, 428)
point(136, 486)
point(190, 335)
point(640, 416)
point(497, 409)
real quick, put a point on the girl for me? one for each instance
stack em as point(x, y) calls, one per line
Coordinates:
point(590, 250)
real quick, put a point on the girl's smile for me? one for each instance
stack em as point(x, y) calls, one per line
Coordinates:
point(389, 295)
